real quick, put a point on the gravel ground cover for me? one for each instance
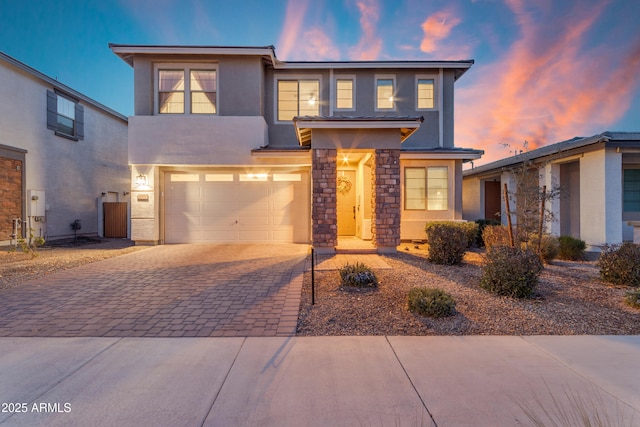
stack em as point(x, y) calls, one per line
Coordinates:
point(17, 267)
point(570, 300)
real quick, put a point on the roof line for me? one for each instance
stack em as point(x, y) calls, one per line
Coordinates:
point(64, 88)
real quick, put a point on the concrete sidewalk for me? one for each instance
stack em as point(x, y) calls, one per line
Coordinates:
point(316, 381)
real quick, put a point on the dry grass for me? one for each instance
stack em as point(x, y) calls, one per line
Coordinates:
point(570, 300)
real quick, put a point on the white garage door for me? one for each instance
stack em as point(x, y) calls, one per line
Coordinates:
point(223, 206)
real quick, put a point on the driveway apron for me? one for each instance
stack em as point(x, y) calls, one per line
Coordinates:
point(164, 291)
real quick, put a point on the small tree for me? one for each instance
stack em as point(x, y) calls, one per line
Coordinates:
point(532, 202)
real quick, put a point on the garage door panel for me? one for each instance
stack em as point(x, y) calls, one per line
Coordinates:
point(223, 206)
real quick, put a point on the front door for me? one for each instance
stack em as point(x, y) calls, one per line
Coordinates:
point(346, 203)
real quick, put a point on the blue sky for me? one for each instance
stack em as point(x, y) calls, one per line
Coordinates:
point(545, 71)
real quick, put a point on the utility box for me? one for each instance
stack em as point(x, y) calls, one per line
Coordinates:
point(36, 203)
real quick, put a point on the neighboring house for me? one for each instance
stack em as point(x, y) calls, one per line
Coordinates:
point(598, 178)
point(61, 155)
point(230, 144)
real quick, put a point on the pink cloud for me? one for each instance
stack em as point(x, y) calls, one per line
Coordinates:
point(436, 28)
point(548, 86)
point(291, 29)
point(370, 44)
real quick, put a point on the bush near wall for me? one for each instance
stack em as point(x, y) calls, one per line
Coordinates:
point(620, 264)
point(571, 249)
point(448, 241)
point(496, 235)
point(549, 246)
point(510, 271)
point(482, 224)
point(470, 229)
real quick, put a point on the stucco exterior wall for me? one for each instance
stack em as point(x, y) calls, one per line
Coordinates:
point(601, 204)
point(72, 174)
point(472, 197)
point(194, 140)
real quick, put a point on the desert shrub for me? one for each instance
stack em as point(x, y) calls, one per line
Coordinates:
point(482, 224)
point(431, 302)
point(470, 229)
point(496, 235)
point(632, 298)
point(358, 275)
point(571, 248)
point(549, 246)
point(510, 271)
point(620, 264)
point(447, 242)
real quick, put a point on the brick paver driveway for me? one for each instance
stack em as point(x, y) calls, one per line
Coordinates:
point(164, 291)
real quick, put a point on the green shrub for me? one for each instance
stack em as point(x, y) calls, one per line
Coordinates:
point(431, 302)
point(358, 275)
point(447, 242)
point(482, 224)
point(496, 235)
point(510, 271)
point(470, 229)
point(632, 298)
point(571, 249)
point(620, 264)
point(549, 246)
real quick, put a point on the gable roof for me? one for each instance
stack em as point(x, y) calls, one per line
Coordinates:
point(608, 139)
point(60, 86)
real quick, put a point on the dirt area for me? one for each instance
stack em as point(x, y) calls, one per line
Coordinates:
point(570, 300)
point(17, 267)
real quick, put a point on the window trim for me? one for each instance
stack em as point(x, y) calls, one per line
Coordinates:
point(377, 78)
point(186, 68)
point(426, 188)
point(436, 97)
point(53, 114)
point(297, 78)
point(352, 78)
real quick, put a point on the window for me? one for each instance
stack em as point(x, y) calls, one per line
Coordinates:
point(426, 90)
point(385, 92)
point(631, 190)
point(344, 93)
point(65, 116)
point(189, 90)
point(298, 98)
point(426, 188)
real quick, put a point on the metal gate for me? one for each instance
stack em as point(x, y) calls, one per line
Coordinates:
point(115, 219)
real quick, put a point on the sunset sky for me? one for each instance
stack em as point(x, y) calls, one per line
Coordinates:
point(545, 70)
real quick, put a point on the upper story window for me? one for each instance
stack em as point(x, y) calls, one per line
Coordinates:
point(425, 93)
point(298, 98)
point(187, 90)
point(426, 188)
point(385, 92)
point(345, 93)
point(65, 116)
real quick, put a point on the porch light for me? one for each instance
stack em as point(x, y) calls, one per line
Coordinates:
point(312, 100)
point(141, 180)
point(345, 159)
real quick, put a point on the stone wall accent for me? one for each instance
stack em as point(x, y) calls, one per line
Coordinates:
point(385, 198)
point(10, 195)
point(323, 206)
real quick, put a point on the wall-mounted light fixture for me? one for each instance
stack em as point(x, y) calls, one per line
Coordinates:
point(125, 193)
point(103, 194)
point(141, 179)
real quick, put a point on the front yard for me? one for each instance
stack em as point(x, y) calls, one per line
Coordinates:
point(570, 300)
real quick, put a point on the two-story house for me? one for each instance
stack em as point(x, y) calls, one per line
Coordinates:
point(230, 144)
point(63, 160)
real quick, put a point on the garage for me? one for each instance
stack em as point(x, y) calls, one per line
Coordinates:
point(224, 206)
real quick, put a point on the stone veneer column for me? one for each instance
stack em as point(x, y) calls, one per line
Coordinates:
point(323, 206)
point(385, 200)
